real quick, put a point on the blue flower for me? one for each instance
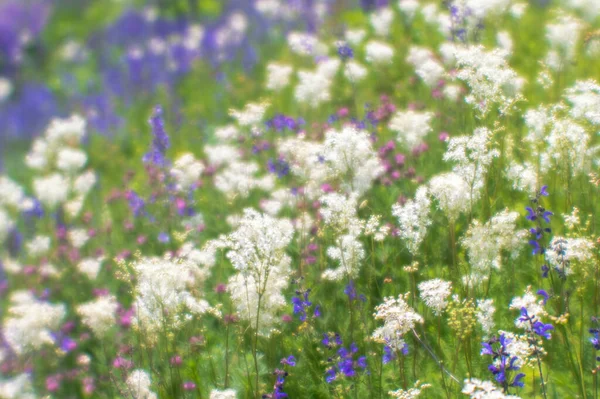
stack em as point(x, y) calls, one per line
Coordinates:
point(345, 51)
point(388, 355)
point(518, 381)
point(543, 330)
point(544, 294)
point(290, 361)
point(160, 141)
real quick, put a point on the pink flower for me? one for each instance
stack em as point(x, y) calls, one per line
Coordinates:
point(53, 383)
point(189, 386)
point(176, 360)
point(122, 363)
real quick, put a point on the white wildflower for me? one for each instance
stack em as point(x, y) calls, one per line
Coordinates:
point(379, 52)
point(412, 127)
point(186, 171)
point(29, 323)
point(398, 319)
point(434, 293)
point(485, 315)
point(99, 315)
point(413, 218)
point(278, 76)
point(138, 384)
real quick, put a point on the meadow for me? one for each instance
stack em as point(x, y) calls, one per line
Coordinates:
point(299, 199)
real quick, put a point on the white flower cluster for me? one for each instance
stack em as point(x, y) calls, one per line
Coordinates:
point(490, 79)
point(563, 36)
point(257, 251)
point(413, 218)
point(303, 43)
point(90, 267)
point(58, 155)
point(186, 171)
point(163, 289)
point(410, 393)
point(314, 87)
point(30, 322)
point(584, 97)
point(18, 387)
point(411, 126)
point(224, 394)
point(562, 251)
point(350, 156)
point(374, 228)
point(434, 293)
point(477, 389)
point(307, 163)
point(472, 157)
point(339, 213)
point(100, 314)
point(427, 67)
point(378, 52)
point(521, 347)
point(485, 243)
point(381, 21)
point(398, 319)
point(251, 115)
point(452, 193)
point(239, 178)
point(278, 76)
point(138, 384)
point(532, 303)
point(485, 315)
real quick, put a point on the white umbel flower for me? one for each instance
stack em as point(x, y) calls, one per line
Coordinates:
point(313, 88)
point(532, 303)
point(90, 267)
point(100, 314)
point(163, 287)
point(563, 251)
point(485, 243)
point(477, 389)
point(398, 319)
point(381, 21)
point(138, 384)
point(70, 160)
point(18, 387)
point(51, 190)
point(38, 246)
point(434, 293)
point(30, 322)
point(411, 126)
point(251, 115)
point(350, 156)
point(257, 251)
point(11, 194)
point(225, 394)
point(485, 315)
point(413, 218)
point(585, 99)
point(452, 194)
point(379, 53)
point(278, 76)
point(186, 171)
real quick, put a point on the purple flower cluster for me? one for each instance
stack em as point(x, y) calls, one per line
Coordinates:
point(345, 363)
point(301, 304)
point(503, 364)
point(540, 217)
point(280, 375)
